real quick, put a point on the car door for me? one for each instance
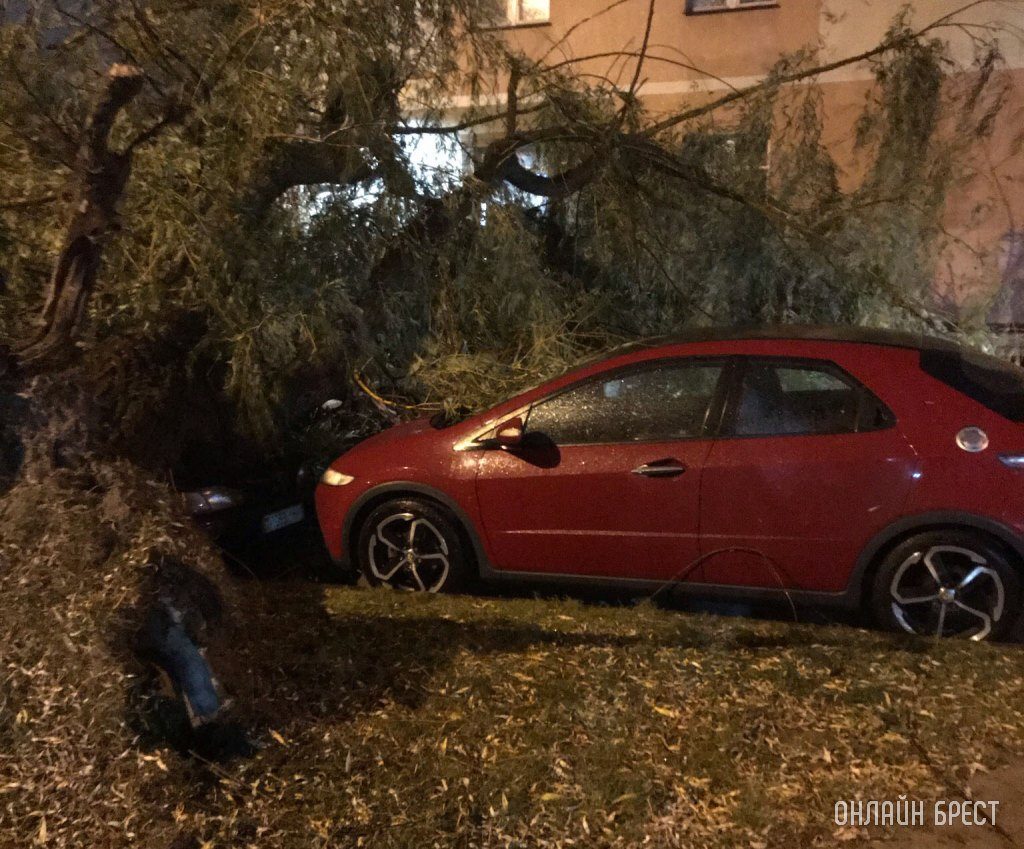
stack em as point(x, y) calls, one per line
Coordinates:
point(606, 482)
point(808, 466)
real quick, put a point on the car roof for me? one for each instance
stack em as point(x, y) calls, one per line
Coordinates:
point(797, 332)
point(778, 332)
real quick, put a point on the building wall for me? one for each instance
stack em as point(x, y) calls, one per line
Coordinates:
point(741, 44)
point(736, 48)
point(851, 26)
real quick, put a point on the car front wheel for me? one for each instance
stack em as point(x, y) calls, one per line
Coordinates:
point(947, 584)
point(412, 544)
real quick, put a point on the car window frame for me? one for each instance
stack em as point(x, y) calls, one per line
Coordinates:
point(730, 411)
point(712, 417)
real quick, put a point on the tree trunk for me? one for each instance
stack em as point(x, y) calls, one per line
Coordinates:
point(99, 178)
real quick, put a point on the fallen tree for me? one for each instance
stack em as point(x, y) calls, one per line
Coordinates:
point(218, 219)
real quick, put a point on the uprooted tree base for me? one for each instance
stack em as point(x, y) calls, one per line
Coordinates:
point(98, 562)
point(75, 697)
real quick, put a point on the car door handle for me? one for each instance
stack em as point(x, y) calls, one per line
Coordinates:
point(660, 469)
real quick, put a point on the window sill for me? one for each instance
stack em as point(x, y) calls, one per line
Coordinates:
point(745, 7)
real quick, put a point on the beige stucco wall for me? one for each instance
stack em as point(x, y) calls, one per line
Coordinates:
point(849, 27)
point(743, 43)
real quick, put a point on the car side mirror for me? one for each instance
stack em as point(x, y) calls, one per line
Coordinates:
point(509, 434)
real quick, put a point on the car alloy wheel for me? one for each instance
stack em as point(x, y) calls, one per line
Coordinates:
point(411, 545)
point(947, 591)
point(408, 552)
point(947, 584)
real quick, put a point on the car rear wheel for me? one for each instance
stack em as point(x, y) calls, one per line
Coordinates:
point(947, 584)
point(412, 544)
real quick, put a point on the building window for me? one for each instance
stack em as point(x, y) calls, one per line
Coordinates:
point(701, 7)
point(520, 12)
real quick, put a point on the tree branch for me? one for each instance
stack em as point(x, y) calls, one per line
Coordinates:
point(42, 200)
point(501, 164)
point(512, 112)
point(124, 82)
point(634, 53)
point(302, 162)
point(640, 59)
point(893, 43)
point(784, 79)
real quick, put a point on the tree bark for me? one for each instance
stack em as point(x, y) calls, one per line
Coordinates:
point(301, 162)
point(501, 164)
point(99, 178)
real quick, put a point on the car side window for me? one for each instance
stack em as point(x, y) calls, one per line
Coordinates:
point(777, 399)
point(663, 402)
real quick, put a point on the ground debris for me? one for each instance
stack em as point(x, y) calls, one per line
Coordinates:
point(390, 720)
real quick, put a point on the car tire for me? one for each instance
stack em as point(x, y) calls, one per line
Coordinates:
point(949, 583)
point(413, 544)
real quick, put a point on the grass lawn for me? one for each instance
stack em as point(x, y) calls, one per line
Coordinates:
point(416, 721)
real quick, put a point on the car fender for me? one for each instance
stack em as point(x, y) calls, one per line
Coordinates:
point(403, 487)
point(921, 522)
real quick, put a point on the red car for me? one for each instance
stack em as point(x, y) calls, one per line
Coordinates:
point(829, 465)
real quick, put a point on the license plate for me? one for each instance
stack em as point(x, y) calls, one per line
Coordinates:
point(283, 518)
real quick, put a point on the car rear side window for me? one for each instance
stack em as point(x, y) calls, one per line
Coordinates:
point(654, 403)
point(992, 382)
point(791, 398)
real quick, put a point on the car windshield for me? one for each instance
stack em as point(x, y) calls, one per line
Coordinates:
point(458, 414)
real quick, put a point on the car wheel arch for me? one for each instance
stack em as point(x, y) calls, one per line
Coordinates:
point(381, 493)
point(888, 538)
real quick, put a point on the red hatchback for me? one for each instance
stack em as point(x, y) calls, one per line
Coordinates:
point(831, 465)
